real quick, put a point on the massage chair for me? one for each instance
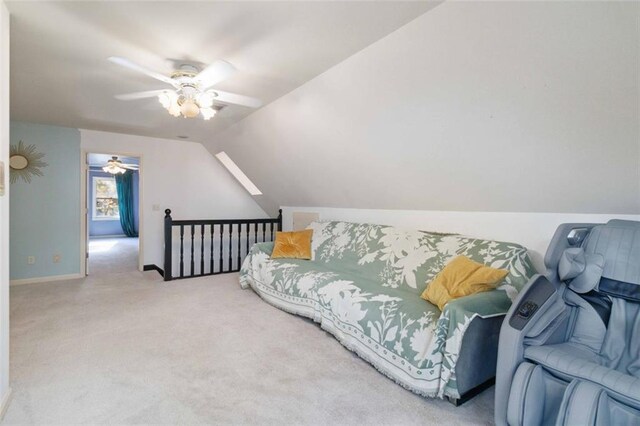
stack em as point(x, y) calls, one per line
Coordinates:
point(569, 351)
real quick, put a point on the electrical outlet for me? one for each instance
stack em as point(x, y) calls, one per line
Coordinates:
point(31, 260)
point(56, 258)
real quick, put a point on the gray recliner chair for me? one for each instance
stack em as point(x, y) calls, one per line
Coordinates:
point(569, 351)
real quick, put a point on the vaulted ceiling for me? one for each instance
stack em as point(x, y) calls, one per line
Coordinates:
point(485, 106)
point(60, 74)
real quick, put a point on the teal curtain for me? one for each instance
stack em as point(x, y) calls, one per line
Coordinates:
point(124, 186)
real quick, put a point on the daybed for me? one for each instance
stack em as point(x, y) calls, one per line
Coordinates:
point(363, 286)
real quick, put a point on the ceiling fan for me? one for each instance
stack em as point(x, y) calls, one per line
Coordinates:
point(190, 93)
point(115, 166)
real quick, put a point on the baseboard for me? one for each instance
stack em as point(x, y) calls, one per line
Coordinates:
point(153, 267)
point(46, 279)
point(96, 237)
point(5, 403)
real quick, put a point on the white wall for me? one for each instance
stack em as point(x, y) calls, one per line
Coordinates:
point(532, 230)
point(178, 175)
point(5, 391)
point(473, 106)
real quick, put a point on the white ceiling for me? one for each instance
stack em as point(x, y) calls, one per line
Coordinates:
point(99, 160)
point(60, 73)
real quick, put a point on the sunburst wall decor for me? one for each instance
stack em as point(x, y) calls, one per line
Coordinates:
point(25, 162)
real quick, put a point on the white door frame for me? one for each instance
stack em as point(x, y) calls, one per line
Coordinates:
point(84, 208)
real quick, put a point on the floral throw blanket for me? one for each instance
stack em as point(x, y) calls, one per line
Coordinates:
point(364, 283)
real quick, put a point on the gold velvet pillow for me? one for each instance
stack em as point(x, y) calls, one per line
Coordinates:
point(292, 245)
point(461, 277)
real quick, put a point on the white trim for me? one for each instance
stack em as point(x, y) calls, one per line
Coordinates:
point(140, 214)
point(233, 168)
point(5, 402)
point(84, 209)
point(95, 237)
point(46, 279)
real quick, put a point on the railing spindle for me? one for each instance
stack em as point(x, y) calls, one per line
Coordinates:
point(193, 231)
point(211, 253)
point(264, 228)
point(230, 247)
point(221, 248)
point(239, 245)
point(181, 251)
point(271, 227)
point(255, 232)
point(248, 236)
point(202, 249)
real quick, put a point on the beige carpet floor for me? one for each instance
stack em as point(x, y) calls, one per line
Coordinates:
point(110, 255)
point(128, 348)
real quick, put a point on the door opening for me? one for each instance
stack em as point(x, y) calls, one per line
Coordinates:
point(112, 213)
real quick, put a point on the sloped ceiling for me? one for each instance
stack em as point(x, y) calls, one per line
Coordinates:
point(60, 74)
point(484, 106)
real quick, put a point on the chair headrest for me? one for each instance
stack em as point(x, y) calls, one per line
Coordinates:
point(618, 242)
point(607, 261)
point(582, 271)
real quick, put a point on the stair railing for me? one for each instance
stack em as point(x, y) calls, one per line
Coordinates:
point(212, 245)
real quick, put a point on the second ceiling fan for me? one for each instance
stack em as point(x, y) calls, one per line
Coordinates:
point(191, 93)
point(115, 166)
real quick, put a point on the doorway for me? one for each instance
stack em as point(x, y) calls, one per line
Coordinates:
point(112, 213)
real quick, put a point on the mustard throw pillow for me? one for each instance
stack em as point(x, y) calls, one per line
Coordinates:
point(462, 277)
point(292, 245)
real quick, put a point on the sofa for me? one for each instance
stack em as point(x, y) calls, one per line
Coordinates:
point(363, 285)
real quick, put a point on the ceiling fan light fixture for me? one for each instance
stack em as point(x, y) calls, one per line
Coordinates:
point(113, 169)
point(115, 166)
point(174, 108)
point(205, 100)
point(208, 113)
point(190, 93)
point(165, 100)
point(189, 109)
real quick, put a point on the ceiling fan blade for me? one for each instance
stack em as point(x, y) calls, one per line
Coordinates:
point(129, 166)
point(124, 62)
point(139, 95)
point(215, 73)
point(233, 98)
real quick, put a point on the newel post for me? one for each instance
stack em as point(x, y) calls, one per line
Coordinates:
point(168, 221)
point(280, 220)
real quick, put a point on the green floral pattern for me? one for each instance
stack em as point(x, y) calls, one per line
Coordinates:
point(363, 285)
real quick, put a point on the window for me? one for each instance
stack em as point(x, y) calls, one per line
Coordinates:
point(237, 173)
point(105, 199)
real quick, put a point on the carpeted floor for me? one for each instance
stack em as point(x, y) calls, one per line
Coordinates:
point(109, 255)
point(127, 348)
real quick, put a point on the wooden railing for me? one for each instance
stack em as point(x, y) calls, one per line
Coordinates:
point(213, 246)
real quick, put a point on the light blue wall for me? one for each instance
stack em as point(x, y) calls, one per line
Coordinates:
point(111, 227)
point(45, 214)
